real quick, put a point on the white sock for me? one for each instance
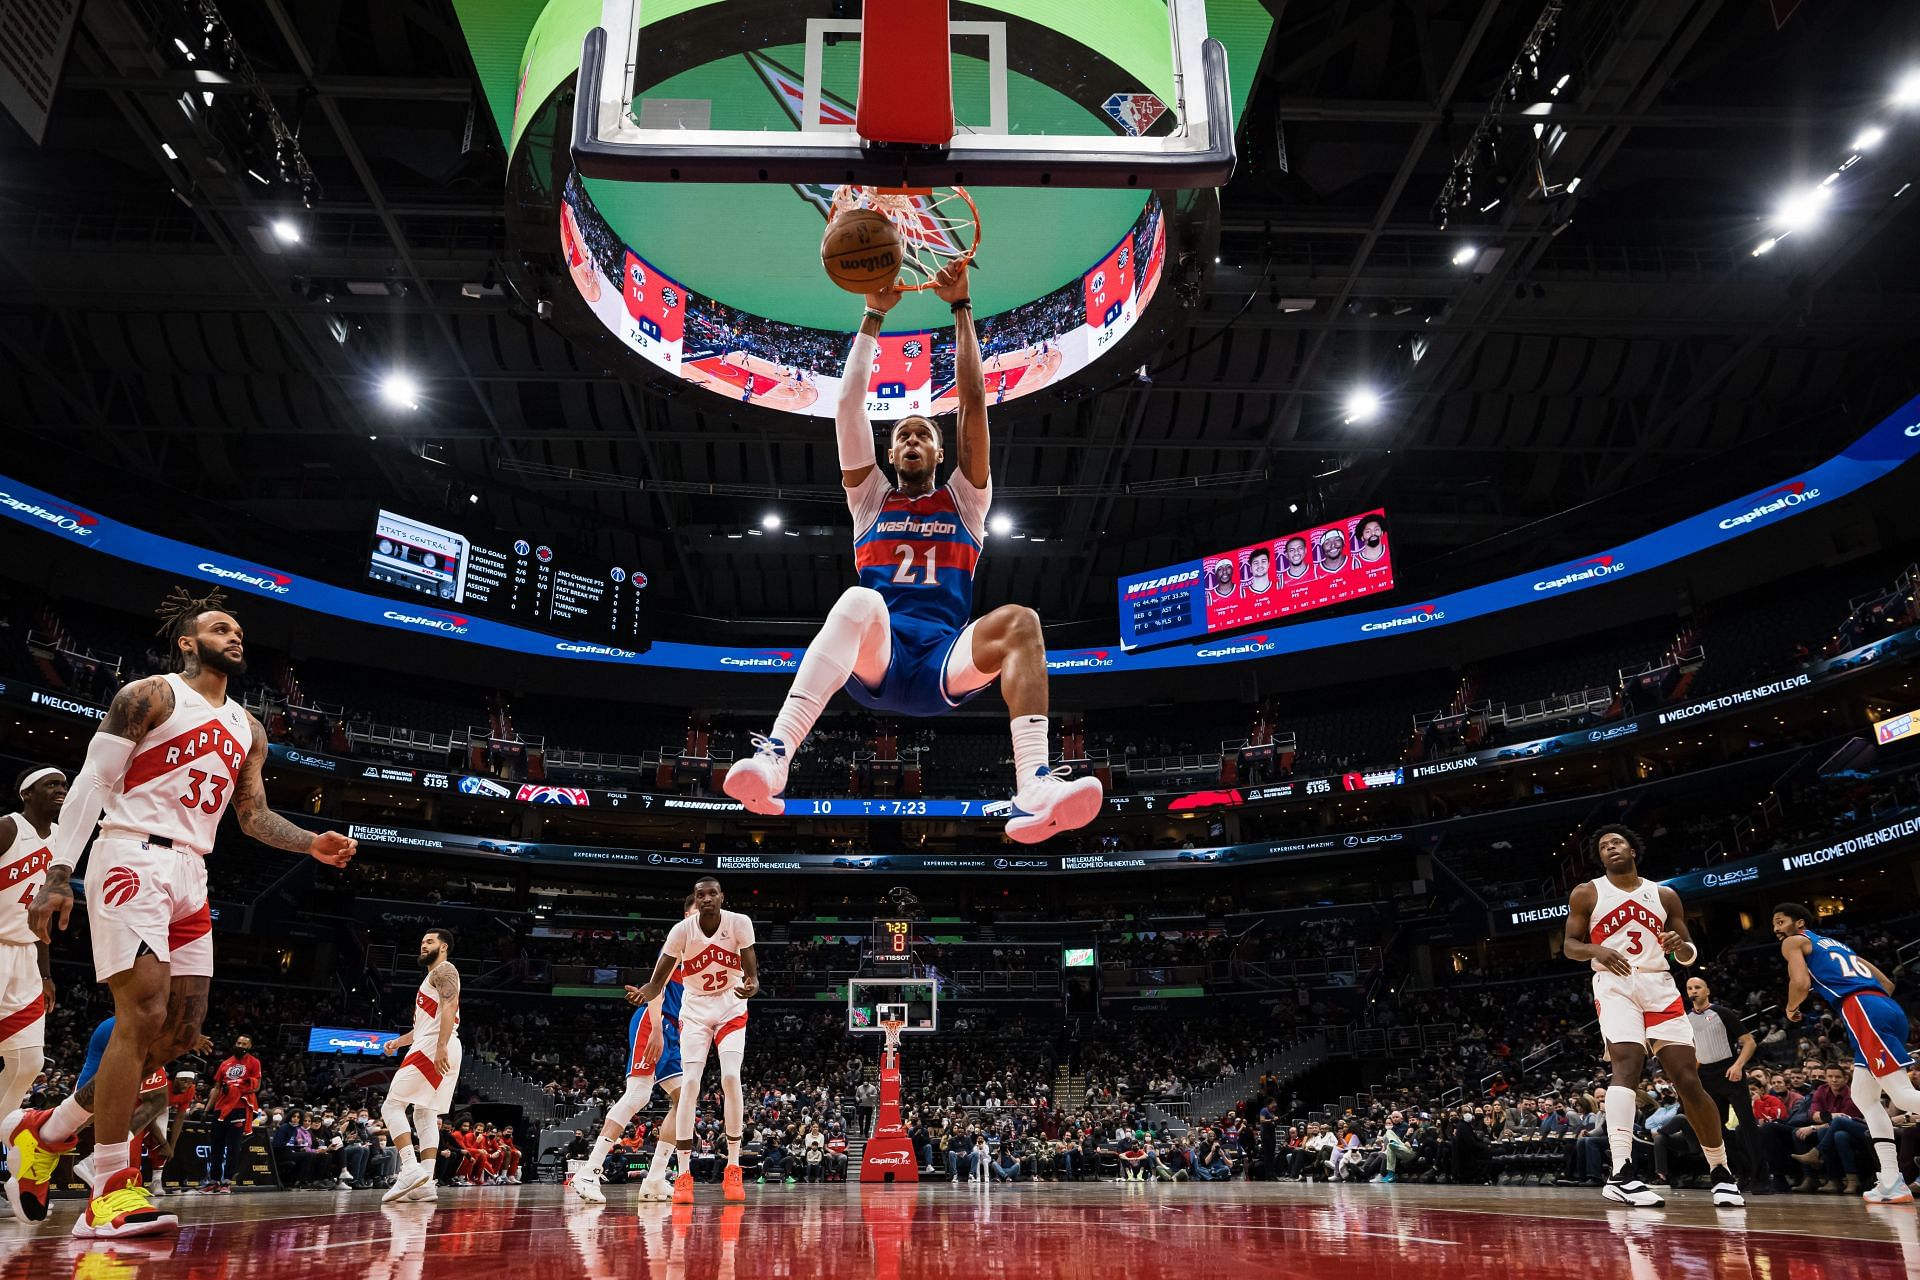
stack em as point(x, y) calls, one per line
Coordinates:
point(733, 1150)
point(662, 1152)
point(1873, 1113)
point(407, 1158)
point(829, 660)
point(601, 1147)
point(109, 1158)
point(1716, 1156)
point(1620, 1109)
point(66, 1120)
point(1029, 747)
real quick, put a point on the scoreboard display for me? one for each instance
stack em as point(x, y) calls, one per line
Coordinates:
point(510, 579)
point(893, 943)
point(1328, 564)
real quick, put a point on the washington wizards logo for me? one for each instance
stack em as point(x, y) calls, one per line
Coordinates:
point(1099, 281)
point(119, 887)
point(638, 275)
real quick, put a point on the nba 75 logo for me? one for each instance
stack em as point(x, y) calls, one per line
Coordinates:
point(1134, 112)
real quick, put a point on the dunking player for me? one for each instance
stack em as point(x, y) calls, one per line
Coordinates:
point(26, 984)
point(712, 950)
point(1626, 927)
point(653, 1057)
point(1855, 988)
point(426, 1076)
point(171, 754)
point(901, 640)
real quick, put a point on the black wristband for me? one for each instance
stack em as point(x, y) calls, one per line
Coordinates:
point(965, 304)
point(878, 316)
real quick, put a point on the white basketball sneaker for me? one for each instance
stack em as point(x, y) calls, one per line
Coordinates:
point(411, 1179)
point(1888, 1191)
point(1048, 803)
point(656, 1189)
point(760, 781)
point(586, 1185)
point(1624, 1188)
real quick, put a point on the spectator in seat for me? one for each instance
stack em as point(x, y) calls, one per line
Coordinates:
point(1782, 1140)
point(1469, 1153)
point(1210, 1159)
point(1838, 1124)
point(1006, 1162)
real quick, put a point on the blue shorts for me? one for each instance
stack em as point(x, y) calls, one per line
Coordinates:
point(639, 1031)
point(916, 680)
point(96, 1049)
point(1877, 1025)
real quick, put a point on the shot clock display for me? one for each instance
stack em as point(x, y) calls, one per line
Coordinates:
point(893, 943)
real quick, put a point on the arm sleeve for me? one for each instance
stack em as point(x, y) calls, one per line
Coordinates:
point(106, 765)
point(851, 428)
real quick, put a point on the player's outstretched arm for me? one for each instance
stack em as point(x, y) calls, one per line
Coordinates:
point(138, 706)
point(1574, 943)
point(853, 430)
point(1677, 941)
point(1799, 977)
point(970, 437)
point(259, 820)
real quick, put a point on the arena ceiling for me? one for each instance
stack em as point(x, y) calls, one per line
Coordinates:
point(1604, 359)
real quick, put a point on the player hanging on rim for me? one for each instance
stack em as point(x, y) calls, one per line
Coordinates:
point(712, 950)
point(901, 641)
point(1626, 928)
point(26, 982)
point(1855, 988)
point(171, 754)
point(427, 1076)
point(653, 1058)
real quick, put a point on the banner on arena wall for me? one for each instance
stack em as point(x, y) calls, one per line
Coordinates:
point(1882, 837)
point(1874, 455)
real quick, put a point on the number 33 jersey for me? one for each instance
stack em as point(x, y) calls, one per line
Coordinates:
point(710, 966)
point(920, 552)
point(182, 773)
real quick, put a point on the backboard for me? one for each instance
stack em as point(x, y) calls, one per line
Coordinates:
point(1152, 88)
point(913, 1001)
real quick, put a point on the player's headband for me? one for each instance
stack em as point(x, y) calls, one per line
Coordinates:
point(27, 783)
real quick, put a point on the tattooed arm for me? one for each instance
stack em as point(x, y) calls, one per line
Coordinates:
point(138, 706)
point(446, 984)
point(268, 827)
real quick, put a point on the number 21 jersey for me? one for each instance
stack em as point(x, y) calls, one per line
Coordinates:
point(182, 773)
point(920, 552)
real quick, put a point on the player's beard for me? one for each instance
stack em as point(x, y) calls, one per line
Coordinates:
point(428, 959)
point(217, 660)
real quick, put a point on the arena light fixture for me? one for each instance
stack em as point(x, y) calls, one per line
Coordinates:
point(1801, 209)
point(1000, 526)
point(771, 520)
point(1363, 404)
point(286, 230)
point(1464, 254)
point(1907, 92)
point(1869, 138)
point(1765, 246)
point(400, 389)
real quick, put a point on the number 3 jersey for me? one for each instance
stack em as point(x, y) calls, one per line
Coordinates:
point(920, 552)
point(710, 966)
point(1631, 922)
point(182, 773)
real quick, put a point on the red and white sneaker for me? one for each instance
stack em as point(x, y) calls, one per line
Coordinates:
point(120, 1206)
point(33, 1161)
point(760, 781)
point(1048, 803)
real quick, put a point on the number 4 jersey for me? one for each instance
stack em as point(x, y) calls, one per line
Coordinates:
point(182, 773)
point(920, 552)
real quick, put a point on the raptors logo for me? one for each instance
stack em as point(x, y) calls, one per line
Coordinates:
point(912, 349)
point(119, 887)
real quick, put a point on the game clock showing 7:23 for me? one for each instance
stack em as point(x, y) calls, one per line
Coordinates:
point(893, 943)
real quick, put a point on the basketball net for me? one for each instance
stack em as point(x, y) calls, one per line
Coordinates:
point(893, 1027)
point(937, 226)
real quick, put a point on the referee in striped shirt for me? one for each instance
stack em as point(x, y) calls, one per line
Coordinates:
point(1724, 1046)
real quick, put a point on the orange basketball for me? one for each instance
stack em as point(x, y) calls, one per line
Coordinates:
point(861, 251)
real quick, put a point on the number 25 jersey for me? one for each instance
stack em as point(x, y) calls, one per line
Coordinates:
point(920, 552)
point(709, 965)
point(182, 773)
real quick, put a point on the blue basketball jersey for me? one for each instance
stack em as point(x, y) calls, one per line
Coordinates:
point(1837, 971)
point(920, 552)
point(670, 996)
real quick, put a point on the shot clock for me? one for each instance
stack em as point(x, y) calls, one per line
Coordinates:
point(893, 944)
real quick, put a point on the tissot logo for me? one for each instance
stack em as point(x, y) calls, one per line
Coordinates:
point(262, 579)
point(1421, 613)
point(452, 623)
point(771, 660)
point(1252, 644)
point(1586, 571)
point(1082, 660)
point(70, 520)
point(1773, 502)
point(593, 650)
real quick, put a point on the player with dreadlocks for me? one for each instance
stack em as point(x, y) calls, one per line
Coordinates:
point(172, 753)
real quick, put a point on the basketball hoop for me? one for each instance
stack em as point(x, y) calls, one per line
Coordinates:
point(938, 226)
point(893, 1027)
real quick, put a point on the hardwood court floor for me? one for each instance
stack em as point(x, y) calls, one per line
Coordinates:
point(1082, 1232)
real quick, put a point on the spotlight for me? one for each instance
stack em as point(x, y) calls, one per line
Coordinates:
point(1907, 92)
point(1561, 83)
point(1293, 508)
point(1001, 525)
point(473, 497)
point(1765, 246)
point(770, 521)
point(1870, 137)
point(400, 390)
point(1464, 254)
point(1800, 209)
point(1363, 404)
point(286, 230)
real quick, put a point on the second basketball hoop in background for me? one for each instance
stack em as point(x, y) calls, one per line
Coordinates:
point(861, 250)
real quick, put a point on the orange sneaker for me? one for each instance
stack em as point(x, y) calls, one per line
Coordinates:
point(733, 1184)
point(683, 1189)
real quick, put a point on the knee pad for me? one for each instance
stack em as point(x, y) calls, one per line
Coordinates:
point(394, 1116)
point(429, 1125)
point(629, 1103)
point(730, 1060)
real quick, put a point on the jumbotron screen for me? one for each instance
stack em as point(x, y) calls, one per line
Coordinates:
point(525, 581)
point(1327, 564)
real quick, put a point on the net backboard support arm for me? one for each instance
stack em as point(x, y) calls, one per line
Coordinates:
point(1199, 153)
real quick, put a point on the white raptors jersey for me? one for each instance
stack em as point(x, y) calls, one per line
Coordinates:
point(426, 1015)
point(182, 773)
point(23, 869)
point(1631, 922)
point(710, 963)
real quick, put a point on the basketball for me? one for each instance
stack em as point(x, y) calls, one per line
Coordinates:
point(861, 251)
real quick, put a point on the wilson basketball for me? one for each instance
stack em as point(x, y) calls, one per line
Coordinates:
point(861, 251)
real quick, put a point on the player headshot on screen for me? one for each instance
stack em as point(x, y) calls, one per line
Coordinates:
point(1222, 577)
point(1295, 559)
point(1259, 572)
point(1333, 551)
point(1372, 537)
